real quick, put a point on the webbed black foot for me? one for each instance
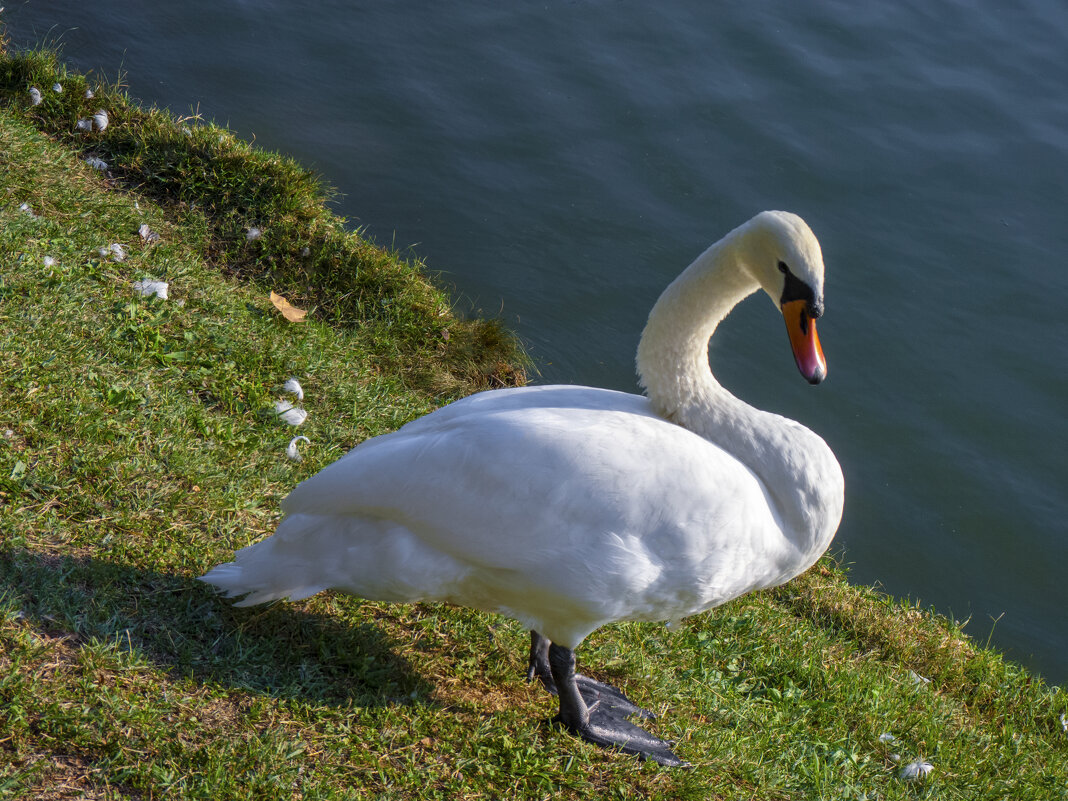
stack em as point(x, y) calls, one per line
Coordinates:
point(603, 719)
point(601, 696)
point(592, 691)
point(608, 730)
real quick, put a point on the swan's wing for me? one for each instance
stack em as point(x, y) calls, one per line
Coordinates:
point(473, 479)
point(563, 509)
point(604, 503)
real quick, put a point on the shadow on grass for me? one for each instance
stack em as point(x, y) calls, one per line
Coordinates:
point(182, 626)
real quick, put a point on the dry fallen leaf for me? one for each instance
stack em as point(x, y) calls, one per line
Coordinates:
point(290, 312)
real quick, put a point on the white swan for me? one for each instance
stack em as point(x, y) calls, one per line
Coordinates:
point(570, 507)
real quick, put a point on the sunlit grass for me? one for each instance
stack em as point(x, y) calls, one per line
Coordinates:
point(138, 448)
point(220, 187)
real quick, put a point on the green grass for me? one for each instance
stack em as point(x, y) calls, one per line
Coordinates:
point(138, 448)
point(218, 188)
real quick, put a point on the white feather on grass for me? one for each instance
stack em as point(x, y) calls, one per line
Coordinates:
point(147, 234)
point(291, 450)
point(916, 770)
point(290, 413)
point(148, 287)
point(114, 251)
point(293, 387)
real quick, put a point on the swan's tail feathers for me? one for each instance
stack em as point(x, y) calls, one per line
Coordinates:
point(374, 559)
point(294, 563)
point(234, 579)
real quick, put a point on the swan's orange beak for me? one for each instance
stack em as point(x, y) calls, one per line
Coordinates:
point(803, 340)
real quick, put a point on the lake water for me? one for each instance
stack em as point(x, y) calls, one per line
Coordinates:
point(560, 162)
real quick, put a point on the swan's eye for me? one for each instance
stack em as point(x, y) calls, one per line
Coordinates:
point(796, 289)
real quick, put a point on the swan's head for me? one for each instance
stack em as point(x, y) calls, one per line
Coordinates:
point(784, 257)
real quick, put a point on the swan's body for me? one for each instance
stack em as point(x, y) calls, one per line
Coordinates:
point(570, 507)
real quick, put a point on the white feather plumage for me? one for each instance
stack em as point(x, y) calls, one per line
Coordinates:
point(571, 507)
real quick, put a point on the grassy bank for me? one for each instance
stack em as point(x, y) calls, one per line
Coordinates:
point(138, 447)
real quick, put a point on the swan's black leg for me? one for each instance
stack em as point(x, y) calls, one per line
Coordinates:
point(602, 722)
point(538, 667)
point(592, 691)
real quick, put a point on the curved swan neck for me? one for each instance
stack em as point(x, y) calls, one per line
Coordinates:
point(673, 368)
point(672, 357)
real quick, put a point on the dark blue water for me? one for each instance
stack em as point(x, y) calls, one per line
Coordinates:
point(561, 162)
